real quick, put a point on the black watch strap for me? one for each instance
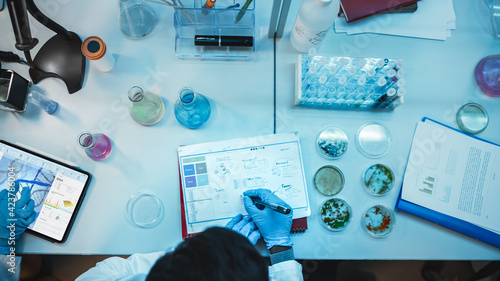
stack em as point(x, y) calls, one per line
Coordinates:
point(280, 254)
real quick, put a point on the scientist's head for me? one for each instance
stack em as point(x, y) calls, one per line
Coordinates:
point(215, 254)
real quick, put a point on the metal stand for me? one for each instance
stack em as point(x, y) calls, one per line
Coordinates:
point(278, 18)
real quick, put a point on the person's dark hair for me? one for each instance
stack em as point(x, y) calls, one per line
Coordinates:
point(216, 254)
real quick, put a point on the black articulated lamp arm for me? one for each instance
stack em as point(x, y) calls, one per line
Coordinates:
point(43, 19)
point(21, 26)
point(60, 57)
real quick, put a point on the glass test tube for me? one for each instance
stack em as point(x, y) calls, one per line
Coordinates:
point(310, 91)
point(398, 97)
point(43, 102)
point(382, 101)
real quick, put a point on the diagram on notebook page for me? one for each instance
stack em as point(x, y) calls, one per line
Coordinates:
point(214, 177)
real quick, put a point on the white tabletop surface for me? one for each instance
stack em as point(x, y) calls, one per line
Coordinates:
point(439, 80)
point(144, 158)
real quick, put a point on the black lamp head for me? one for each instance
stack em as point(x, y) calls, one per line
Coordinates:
point(59, 57)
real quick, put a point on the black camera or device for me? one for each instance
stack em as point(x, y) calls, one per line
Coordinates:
point(14, 91)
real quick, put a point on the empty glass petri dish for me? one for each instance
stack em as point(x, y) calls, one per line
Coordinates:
point(329, 180)
point(378, 179)
point(332, 143)
point(335, 214)
point(378, 221)
point(472, 118)
point(373, 140)
point(144, 209)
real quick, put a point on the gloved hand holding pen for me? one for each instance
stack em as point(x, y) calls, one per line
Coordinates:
point(273, 226)
point(14, 217)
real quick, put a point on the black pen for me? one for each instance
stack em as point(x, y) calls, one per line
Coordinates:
point(275, 207)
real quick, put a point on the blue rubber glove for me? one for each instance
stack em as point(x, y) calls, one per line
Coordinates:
point(245, 226)
point(273, 226)
point(23, 215)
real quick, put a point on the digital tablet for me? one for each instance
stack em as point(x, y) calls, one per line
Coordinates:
point(56, 188)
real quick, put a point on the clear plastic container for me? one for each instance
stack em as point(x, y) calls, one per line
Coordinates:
point(335, 214)
point(224, 20)
point(329, 180)
point(359, 83)
point(373, 140)
point(313, 22)
point(332, 143)
point(378, 179)
point(144, 209)
point(472, 118)
point(378, 221)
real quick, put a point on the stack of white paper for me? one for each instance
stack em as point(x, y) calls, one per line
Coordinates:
point(434, 19)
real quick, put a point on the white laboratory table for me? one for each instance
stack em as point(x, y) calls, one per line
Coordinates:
point(439, 81)
point(143, 158)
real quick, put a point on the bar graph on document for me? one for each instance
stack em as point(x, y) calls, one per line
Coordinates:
point(427, 185)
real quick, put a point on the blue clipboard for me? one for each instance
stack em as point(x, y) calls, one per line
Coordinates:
point(458, 225)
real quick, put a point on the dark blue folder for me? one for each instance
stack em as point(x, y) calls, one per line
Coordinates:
point(461, 226)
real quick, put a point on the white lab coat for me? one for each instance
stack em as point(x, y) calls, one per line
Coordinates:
point(137, 267)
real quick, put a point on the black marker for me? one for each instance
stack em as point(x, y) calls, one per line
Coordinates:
point(275, 207)
point(222, 40)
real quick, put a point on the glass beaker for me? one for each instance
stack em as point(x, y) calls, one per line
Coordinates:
point(136, 18)
point(146, 108)
point(192, 109)
point(97, 146)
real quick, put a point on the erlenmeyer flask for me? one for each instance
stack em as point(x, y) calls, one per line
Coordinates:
point(146, 108)
point(192, 109)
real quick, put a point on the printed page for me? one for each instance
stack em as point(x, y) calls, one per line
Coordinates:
point(454, 174)
point(215, 175)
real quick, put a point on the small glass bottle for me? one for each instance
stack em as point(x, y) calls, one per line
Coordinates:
point(97, 146)
point(192, 110)
point(97, 52)
point(146, 108)
point(136, 18)
point(43, 102)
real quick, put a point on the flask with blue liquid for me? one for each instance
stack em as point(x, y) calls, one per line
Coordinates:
point(192, 109)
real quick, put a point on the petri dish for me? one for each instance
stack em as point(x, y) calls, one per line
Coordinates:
point(378, 179)
point(378, 221)
point(373, 140)
point(144, 209)
point(487, 74)
point(335, 214)
point(329, 180)
point(472, 118)
point(332, 143)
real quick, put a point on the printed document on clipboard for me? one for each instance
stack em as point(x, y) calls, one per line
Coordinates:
point(213, 177)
